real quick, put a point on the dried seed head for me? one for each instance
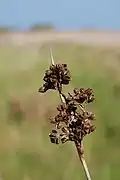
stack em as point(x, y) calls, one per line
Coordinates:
point(70, 123)
point(54, 137)
point(56, 76)
point(83, 95)
point(76, 124)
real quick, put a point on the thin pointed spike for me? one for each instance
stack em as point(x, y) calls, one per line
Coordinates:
point(52, 60)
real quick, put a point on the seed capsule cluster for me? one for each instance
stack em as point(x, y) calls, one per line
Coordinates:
point(81, 95)
point(73, 122)
point(55, 77)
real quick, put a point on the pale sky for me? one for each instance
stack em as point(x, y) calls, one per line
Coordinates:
point(64, 14)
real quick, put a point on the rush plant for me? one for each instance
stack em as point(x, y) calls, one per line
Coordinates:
point(73, 122)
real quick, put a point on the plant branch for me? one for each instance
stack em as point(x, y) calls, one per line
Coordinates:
point(80, 147)
point(79, 150)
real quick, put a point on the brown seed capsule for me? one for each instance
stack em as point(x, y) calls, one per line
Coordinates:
point(53, 139)
point(90, 99)
point(76, 91)
point(64, 138)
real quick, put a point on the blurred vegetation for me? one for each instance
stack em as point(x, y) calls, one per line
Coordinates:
point(4, 29)
point(25, 150)
point(34, 28)
point(41, 27)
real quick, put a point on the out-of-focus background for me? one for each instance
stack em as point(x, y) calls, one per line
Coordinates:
point(86, 36)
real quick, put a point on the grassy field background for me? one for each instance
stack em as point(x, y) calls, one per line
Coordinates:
point(25, 150)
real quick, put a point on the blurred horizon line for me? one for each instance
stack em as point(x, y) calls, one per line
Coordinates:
point(42, 27)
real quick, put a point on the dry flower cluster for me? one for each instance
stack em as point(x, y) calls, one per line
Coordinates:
point(55, 77)
point(73, 122)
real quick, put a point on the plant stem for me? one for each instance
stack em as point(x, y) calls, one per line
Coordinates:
point(83, 162)
point(80, 147)
point(81, 155)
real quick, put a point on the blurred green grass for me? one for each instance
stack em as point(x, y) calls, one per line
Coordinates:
point(25, 150)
